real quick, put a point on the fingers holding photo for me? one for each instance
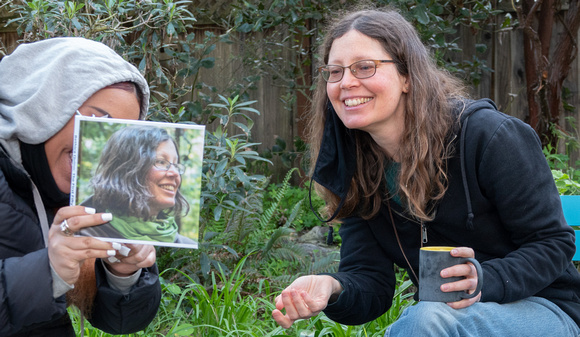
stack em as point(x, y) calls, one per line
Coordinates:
point(69, 220)
point(140, 256)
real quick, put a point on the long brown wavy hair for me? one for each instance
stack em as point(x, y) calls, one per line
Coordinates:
point(424, 146)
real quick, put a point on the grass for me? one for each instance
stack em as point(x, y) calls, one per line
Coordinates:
point(225, 309)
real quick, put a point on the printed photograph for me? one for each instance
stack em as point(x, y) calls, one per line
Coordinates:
point(146, 174)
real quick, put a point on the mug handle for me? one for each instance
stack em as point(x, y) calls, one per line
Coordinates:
point(479, 277)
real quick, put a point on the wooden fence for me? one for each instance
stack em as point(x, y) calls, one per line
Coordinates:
point(505, 85)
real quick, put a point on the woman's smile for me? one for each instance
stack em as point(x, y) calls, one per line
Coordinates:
point(170, 188)
point(352, 102)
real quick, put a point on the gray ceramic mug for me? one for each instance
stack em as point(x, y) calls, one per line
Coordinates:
point(434, 259)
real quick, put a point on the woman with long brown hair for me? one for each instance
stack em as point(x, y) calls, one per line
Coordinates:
point(404, 160)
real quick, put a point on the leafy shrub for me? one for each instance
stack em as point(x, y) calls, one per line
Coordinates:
point(565, 173)
point(156, 36)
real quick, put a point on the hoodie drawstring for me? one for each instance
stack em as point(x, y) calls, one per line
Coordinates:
point(470, 215)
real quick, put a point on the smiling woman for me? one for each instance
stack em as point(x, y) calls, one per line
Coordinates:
point(138, 180)
point(404, 159)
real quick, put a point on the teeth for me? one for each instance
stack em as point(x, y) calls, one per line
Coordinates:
point(356, 101)
point(168, 187)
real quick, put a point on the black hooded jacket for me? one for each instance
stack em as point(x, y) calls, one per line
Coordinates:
point(28, 307)
point(501, 201)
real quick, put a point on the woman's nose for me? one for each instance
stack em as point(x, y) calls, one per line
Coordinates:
point(348, 80)
point(173, 170)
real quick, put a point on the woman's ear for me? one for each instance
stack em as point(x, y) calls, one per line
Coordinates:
point(406, 84)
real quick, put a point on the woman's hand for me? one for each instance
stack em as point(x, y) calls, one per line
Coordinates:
point(466, 270)
point(139, 256)
point(66, 252)
point(307, 296)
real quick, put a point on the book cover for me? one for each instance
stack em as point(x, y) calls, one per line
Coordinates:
point(146, 174)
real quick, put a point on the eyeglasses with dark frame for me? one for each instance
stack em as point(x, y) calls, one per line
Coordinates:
point(360, 69)
point(163, 164)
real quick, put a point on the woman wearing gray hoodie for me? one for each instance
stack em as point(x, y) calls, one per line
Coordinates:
point(43, 266)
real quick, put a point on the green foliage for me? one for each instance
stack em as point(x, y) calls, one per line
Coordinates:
point(566, 184)
point(215, 311)
point(224, 309)
point(277, 198)
point(437, 22)
point(279, 255)
point(290, 156)
point(155, 35)
point(294, 196)
point(281, 37)
point(231, 195)
point(227, 183)
point(565, 173)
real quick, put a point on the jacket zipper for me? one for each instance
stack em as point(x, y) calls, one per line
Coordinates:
point(423, 233)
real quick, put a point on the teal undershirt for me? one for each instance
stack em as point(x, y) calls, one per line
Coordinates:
point(392, 170)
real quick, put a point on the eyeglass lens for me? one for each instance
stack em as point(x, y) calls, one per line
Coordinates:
point(360, 69)
point(163, 164)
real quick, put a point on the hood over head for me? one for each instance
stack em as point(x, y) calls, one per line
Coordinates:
point(45, 82)
point(336, 162)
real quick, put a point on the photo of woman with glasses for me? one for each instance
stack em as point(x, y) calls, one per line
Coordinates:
point(138, 179)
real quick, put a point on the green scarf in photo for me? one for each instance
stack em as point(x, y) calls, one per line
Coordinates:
point(133, 228)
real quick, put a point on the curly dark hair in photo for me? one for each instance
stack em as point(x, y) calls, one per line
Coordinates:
point(120, 182)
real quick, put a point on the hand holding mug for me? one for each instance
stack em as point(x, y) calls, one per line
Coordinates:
point(451, 275)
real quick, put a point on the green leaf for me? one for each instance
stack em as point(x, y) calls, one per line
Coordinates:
point(217, 212)
point(142, 65)
point(420, 12)
point(205, 264)
point(245, 28)
point(480, 47)
point(170, 29)
point(173, 288)
point(185, 329)
point(208, 62)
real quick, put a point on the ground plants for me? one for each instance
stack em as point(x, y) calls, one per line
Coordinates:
point(224, 309)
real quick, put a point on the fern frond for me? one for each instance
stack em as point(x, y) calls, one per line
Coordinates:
point(239, 224)
point(269, 213)
point(291, 252)
point(286, 279)
point(276, 235)
point(297, 210)
point(325, 264)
